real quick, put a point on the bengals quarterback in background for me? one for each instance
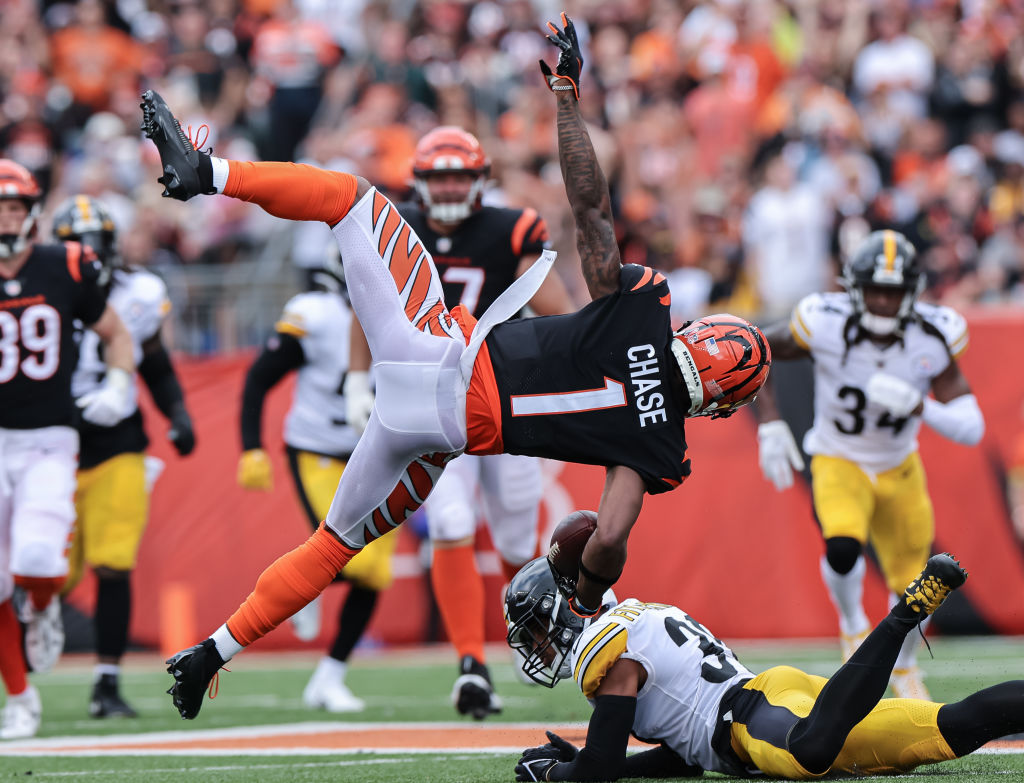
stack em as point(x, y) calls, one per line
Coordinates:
point(44, 289)
point(112, 502)
point(877, 353)
point(479, 251)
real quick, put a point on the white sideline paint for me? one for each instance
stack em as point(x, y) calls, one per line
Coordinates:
point(142, 744)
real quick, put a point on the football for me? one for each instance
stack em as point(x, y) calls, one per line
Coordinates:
point(569, 538)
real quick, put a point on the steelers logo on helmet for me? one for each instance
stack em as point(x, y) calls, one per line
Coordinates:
point(884, 260)
point(17, 183)
point(724, 361)
point(86, 220)
point(449, 149)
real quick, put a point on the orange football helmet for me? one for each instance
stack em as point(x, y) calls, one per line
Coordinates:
point(17, 183)
point(724, 360)
point(450, 149)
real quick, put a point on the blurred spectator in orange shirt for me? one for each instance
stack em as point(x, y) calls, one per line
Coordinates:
point(94, 60)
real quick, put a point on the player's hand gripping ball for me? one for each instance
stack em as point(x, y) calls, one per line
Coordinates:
point(568, 540)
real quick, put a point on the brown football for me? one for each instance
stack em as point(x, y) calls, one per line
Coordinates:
point(568, 539)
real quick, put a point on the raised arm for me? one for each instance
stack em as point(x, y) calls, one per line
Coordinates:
point(585, 184)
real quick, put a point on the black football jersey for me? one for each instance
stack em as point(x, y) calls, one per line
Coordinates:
point(597, 386)
point(479, 260)
point(57, 285)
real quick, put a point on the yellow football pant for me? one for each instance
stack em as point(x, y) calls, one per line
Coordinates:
point(893, 511)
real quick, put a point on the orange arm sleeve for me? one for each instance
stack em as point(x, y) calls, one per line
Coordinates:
point(292, 190)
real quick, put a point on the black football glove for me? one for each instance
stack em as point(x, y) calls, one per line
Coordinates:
point(536, 763)
point(181, 433)
point(570, 60)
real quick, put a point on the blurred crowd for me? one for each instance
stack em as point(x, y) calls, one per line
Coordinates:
point(748, 143)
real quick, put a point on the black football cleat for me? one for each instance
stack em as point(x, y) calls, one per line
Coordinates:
point(188, 172)
point(941, 575)
point(106, 701)
point(473, 693)
point(192, 669)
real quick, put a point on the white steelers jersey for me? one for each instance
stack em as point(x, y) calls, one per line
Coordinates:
point(140, 299)
point(845, 424)
point(316, 421)
point(688, 673)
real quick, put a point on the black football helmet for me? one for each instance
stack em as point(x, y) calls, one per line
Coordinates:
point(329, 276)
point(541, 626)
point(86, 220)
point(885, 259)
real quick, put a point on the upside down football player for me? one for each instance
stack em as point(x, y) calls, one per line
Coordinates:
point(652, 670)
point(877, 354)
point(610, 384)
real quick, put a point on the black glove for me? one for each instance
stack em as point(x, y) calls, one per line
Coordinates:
point(536, 763)
point(181, 433)
point(570, 60)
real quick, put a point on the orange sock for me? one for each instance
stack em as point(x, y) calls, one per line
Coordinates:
point(292, 190)
point(12, 664)
point(459, 590)
point(288, 584)
point(40, 588)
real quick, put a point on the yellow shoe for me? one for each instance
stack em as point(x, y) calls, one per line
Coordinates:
point(909, 684)
point(848, 643)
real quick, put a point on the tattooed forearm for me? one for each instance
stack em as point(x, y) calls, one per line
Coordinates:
point(587, 190)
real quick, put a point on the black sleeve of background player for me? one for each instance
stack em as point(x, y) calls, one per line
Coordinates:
point(282, 354)
point(530, 234)
point(157, 372)
point(91, 296)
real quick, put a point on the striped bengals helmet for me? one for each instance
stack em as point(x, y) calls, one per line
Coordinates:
point(724, 360)
point(17, 183)
point(448, 149)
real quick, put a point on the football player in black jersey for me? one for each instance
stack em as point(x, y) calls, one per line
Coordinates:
point(479, 251)
point(112, 501)
point(610, 384)
point(44, 289)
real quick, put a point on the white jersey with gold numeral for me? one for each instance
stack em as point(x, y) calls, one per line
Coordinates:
point(316, 421)
point(688, 673)
point(140, 299)
point(845, 424)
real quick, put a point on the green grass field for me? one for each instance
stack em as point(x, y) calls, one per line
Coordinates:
point(405, 692)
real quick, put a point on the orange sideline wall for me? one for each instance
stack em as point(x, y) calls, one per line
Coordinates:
point(726, 547)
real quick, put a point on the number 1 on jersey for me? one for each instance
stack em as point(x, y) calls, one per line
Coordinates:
point(613, 395)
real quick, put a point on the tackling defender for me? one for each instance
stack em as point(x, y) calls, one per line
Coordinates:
point(610, 384)
point(652, 670)
point(877, 353)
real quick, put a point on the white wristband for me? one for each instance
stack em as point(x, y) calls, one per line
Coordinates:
point(960, 419)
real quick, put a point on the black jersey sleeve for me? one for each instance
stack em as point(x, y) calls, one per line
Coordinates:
point(529, 234)
point(635, 279)
point(87, 271)
point(281, 354)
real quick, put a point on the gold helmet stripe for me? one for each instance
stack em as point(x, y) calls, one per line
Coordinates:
point(889, 249)
point(84, 207)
